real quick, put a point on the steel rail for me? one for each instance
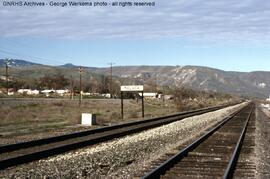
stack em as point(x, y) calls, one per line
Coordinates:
point(161, 169)
point(233, 161)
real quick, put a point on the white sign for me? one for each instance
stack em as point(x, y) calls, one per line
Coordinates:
point(132, 88)
point(88, 119)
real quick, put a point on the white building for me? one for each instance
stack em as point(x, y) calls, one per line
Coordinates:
point(10, 93)
point(106, 95)
point(262, 85)
point(28, 91)
point(266, 106)
point(21, 91)
point(268, 99)
point(149, 95)
point(35, 92)
point(62, 92)
point(167, 97)
point(48, 92)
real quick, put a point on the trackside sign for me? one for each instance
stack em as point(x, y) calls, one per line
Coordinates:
point(132, 88)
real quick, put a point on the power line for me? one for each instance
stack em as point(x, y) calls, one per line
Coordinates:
point(37, 59)
point(71, 87)
point(16, 43)
point(7, 83)
point(111, 65)
point(22, 44)
point(80, 71)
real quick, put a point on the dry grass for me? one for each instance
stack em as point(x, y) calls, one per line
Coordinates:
point(28, 116)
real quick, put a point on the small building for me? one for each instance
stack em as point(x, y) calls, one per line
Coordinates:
point(35, 92)
point(10, 93)
point(168, 97)
point(266, 106)
point(24, 91)
point(106, 95)
point(86, 94)
point(62, 92)
point(4, 91)
point(262, 85)
point(150, 95)
point(268, 99)
point(28, 91)
point(48, 92)
point(95, 94)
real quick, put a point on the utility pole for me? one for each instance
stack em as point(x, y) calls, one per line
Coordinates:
point(80, 100)
point(156, 83)
point(111, 65)
point(71, 88)
point(7, 76)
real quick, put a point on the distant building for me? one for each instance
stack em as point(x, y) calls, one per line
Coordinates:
point(28, 91)
point(35, 92)
point(95, 94)
point(268, 99)
point(3, 77)
point(151, 95)
point(106, 95)
point(62, 92)
point(266, 106)
point(48, 92)
point(262, 85)
point(10, 93)
point(4, 91)
point(169, 97)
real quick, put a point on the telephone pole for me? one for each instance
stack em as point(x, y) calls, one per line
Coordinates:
point(80, 100)
point(156, 83)
point(7, 76)
point(71, 87)
point(111, 65)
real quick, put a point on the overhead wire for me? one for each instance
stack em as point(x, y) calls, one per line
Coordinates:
point(27, 56)
point(35, 59)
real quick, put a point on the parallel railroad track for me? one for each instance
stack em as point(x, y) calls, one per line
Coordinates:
point(19, 153)
point(215, 154)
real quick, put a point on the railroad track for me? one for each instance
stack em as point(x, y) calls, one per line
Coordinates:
point(20, 153)
point(215, 154)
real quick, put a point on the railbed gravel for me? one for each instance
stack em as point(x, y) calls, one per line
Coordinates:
point(262, 143)
point(123, 157)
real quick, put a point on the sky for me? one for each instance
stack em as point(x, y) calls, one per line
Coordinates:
point(231, 35)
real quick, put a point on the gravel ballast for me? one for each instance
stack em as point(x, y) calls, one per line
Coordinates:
point(262, 143)
point(123, 157)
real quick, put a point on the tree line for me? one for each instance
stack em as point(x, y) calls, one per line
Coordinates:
point(57, 81)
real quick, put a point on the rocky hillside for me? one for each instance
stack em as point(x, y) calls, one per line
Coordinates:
point(16, 63)
point(256, 84)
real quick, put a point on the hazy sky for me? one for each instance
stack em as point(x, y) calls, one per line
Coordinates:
point(224, 34)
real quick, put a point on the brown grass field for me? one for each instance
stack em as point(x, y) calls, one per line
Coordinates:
point(37, 117)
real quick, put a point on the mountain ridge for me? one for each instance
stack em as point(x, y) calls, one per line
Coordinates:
point(255, 83)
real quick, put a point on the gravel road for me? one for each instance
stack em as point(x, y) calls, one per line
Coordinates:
point(120, 158)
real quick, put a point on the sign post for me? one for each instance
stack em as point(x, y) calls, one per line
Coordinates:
point(122, 106)
point(131, 88)
point(142, 105)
